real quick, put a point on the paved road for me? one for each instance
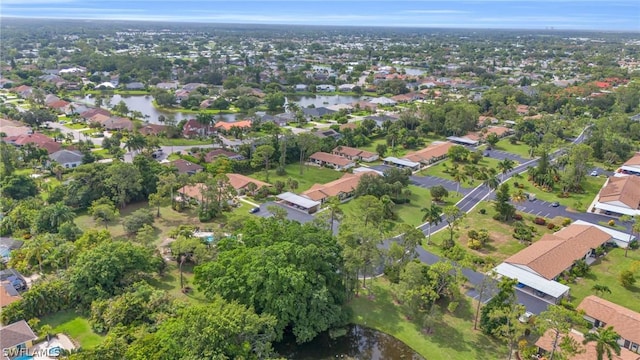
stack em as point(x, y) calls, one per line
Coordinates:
point(430, 181)
point(77, 135)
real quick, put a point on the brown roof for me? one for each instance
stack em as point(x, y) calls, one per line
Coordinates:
point(554, 253)
point(330, 158)
point(152, 129)
point(498, 130)
point(347, 183)
point(625, 189)
point(635, 160)
point(16, 334)
point(228, 125)
point(99, 118)
point(40, 140)
point(214, 154)
point(624, 321)
point(546, 342)
point(8, 294)
point(117, 123)
point(58, 104)
point(193, 191)
point(185, 166)
point(346, 150)
point(94, 111)
point(434, 150)
point(240, 181)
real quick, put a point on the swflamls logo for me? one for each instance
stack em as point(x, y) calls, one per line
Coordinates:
point(52, 352)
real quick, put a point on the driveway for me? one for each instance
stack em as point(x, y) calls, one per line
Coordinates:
point(292, 214)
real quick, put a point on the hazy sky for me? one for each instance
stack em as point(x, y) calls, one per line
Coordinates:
point(523, 14)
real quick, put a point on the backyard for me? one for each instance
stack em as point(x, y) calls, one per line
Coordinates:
point(75, 326)
point(453, 336)
point(605, 271)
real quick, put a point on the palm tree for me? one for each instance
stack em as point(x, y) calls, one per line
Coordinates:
point(135, 142)
point(506, 165)
point(606, 340)
point(333, 206)
point(519, 196)
point(601, 289)
point(458, 176)
point(432, 216)
point(491, 182)
point(37, 248)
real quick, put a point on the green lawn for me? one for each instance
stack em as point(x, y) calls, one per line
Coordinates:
point(420, 197)
point(170, 283)
point(520, 148)
point(453, 337)
point(439, 170)
point(74, 325)
point(75, 126)
point(577, 202)
point(311, 175)
point(605, 272)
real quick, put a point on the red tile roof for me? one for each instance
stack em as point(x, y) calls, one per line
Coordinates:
point(624, 321)
point(330, 158)
point(228, 125)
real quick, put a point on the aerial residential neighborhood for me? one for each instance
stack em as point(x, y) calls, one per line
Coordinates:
point(187, 190)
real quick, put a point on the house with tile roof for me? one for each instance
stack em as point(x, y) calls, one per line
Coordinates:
point(631, 166)
point(8, 293)
point(620, 195)
point(192, 128)
point(333, 161)
point(39, 140)
point(538, 266)
point(355, 154)
point(601, 313)
point(192, 192)
point(185, 167)
point(226, 126)
point(16, 339)
point(241, 182)
point(216, 153)
point(67, 158)
point(343, 188)
point(588, 351)
point(436, 151)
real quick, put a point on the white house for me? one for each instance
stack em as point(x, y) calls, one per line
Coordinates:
point(67, 158)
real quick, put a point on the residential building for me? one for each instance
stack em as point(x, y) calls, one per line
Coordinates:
point(601, 313)
point(355, 154)
point(317, 112)
point(330, 160)
point(16, 339)
point(193, 192)
point(401, 163)
point(299, 202)
point(620, 195)
point(193, 128)
point(186, 167)
point(343, 188)
point(7, 245)
point(241, 182)
point(152, 129)
point(88, 114)
point(8, 294)
point(39, 140)
point(631, 166)
point(216, 153)
point(432, 153)
point(545, 345)
point(226, 126)
point(67, 158)
point(328, 133)
point(538, 266)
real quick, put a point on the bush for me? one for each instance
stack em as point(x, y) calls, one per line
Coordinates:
point(515, 184)
point(539, 221)
point(483, 236)
point(633, 245)
point(517, 217)
point(612, 222)
point(483, 211)
point(474, 244)
point(551, 226)
point(627, 279)
point(566, 222)
point(137, 220)
point(472, 234)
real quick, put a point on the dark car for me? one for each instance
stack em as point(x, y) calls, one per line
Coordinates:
point(487, 154)
point(254, 210)
point(555, 204)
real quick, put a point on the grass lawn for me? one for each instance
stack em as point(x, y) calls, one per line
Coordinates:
point(501, 244)
point(420, 197)
point(453, 337)
point(170, 283)
point(439, 170)
point(520, 148)
point(183, 142)
point(75, 126)
point(311, 175)
point(104, 153)
point(74, 325)
point(605, 272)
point(576, 202)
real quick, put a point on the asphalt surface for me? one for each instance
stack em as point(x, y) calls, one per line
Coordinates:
point(430, 181)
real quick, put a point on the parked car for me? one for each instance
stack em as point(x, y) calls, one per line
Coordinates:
point(555, 204)
point(254, 210)
point(594, 173)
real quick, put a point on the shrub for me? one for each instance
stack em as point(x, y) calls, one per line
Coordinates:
point(551, 226)
point(515, 184)
point(627, 279)
point(472, 234)
point(634, 245)
point(611, 222)
point(539, 221)
point(483, 236)
point(566, 222)
point(483, 211)
point(517, 217)
point(474, 244)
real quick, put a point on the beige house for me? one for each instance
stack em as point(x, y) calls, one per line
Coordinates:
point(432, 153)
point(329, 160)
point(601, 313)
point(355, 154)
point(620, 195)
point(343, 188)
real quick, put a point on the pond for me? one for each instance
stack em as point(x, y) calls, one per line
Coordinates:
point(323, 100)
point(358, 343)
point(144, 104)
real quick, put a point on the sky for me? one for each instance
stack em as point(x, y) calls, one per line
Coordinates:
point(500, 14)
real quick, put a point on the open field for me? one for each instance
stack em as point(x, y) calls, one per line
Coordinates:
point(311, 175)
point(605, 271)
point(74, 325)
point(453, 337)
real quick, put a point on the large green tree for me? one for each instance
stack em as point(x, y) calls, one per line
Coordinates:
point(283, 268)
point(216, 330)
point(606, 340)
point(559, 321)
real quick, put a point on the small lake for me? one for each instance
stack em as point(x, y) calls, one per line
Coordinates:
point(144, 104)
point(323, 100)
point(358, 343)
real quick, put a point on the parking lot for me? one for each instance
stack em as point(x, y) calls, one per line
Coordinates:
point(430, 181)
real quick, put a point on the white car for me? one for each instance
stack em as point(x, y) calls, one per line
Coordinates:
point(594, 173)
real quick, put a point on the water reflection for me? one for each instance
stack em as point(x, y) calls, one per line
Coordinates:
point(358, 343)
